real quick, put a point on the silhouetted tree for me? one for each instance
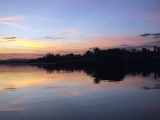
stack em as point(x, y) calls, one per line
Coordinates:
point(96, 57)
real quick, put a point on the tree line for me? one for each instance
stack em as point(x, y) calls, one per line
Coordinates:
point(104, 57)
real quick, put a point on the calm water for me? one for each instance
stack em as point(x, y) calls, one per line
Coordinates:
point(32, 93)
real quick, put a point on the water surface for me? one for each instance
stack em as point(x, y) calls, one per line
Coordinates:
point(31, 92)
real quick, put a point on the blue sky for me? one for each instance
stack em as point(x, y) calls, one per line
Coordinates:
point(64, 26)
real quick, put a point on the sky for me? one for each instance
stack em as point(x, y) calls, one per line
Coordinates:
point(33, 28)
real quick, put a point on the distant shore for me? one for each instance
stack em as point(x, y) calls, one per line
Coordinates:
point(20, 63)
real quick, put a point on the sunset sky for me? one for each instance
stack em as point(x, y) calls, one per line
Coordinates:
point(32, 28)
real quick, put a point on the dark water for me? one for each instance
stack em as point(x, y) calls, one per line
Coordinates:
point(33, 93)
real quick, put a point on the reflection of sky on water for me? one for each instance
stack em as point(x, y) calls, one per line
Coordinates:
point(30, 93)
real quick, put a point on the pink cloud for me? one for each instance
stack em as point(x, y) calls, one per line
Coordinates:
point(54, 38)
point(14, 21)
point(69, 31)
point(12, 18)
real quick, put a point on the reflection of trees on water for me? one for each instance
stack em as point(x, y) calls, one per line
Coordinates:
point(110, 74)
point(106, 74)
point(145, 72)
point(52, 68)
point(48, 68)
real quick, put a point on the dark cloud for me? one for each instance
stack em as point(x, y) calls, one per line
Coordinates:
point(54, 38)
point(9, 37)
point(7, 40)
point(155, 35)
point(124, 45)
point(11, 88)
point(145, 35)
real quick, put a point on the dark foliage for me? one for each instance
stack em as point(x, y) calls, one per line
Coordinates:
point(105, 58)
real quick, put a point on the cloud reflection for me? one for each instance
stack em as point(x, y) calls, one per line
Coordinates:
point(17, 104)
point(71, 93)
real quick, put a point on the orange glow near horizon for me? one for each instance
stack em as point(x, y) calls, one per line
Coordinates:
point(26, 48)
